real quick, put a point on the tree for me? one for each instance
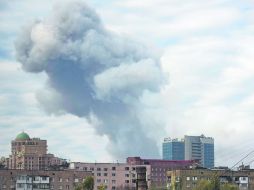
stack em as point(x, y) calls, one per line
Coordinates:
point(101, 187)
point(78, 187)
point(204, 185)
point(229, 187)
point(214, 184)
point(87, 184)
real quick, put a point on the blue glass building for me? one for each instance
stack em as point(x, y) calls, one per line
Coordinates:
point(199, 148)
point(172, 149)
point(208, 155)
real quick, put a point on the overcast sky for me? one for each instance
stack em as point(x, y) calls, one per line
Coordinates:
point(206, 52)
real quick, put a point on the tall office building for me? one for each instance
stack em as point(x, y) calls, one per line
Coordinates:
point(200, 148)
point(173, 149)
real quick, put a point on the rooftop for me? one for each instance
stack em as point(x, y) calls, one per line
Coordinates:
point(22, 136)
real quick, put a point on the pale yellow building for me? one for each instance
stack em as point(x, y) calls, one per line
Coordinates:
point(187, 179)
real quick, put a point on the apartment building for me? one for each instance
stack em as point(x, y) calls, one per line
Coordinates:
point(11, 179)
point(26, 182)
point(112, 175)
point(188, 179)
point(158, 168)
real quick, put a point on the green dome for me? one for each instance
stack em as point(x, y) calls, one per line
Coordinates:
point(22, 136)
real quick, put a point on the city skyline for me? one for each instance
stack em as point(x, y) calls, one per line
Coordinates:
point(205, 49)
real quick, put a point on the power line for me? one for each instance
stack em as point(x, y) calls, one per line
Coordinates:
point(242, 159)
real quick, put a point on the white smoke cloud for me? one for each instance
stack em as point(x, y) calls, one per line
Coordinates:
point(93, 72)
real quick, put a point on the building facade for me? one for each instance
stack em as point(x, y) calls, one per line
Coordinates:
point(31, 154)
point(26, 182)
point(112, 175)
point(200, 148)
point(11, 179)
point(159, 168)
point(173, 149)
point(188, 179)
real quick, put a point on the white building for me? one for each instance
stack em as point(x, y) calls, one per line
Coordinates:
point(26, 182)
point(200, 148)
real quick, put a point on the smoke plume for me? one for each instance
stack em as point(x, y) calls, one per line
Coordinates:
point(93, 73)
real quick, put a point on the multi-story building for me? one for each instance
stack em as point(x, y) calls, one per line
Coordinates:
point(173, 149)
point(123, 175)
point(112, 175)
point(158, 168)
point(26, 182)
point(11, 179)
point(200, 148)
point(187, 179)
point(31, 154)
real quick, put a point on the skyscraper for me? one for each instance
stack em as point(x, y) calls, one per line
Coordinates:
point(200, 148)
point(173, 149)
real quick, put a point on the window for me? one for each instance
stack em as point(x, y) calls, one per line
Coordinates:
point(113, 174)
point(98, 180)
point(60, 187)
point(126, 175)
point(105, 181)
point(98, 174)
point(127, 168)
point(194, 178)
point(105, 169)
point(113, 187)
point(105, 174)
point(67, 187)
point(98, 169)
point(113, 168)
point(21, 185)
point(92, 169)
point(60, 179)
point(67, 180)
point(113, 181)
point(127, 181)
point(76, 180)
point(188, 178)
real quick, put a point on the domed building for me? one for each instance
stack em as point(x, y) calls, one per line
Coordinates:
point(30, 154)
point(22, 136)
